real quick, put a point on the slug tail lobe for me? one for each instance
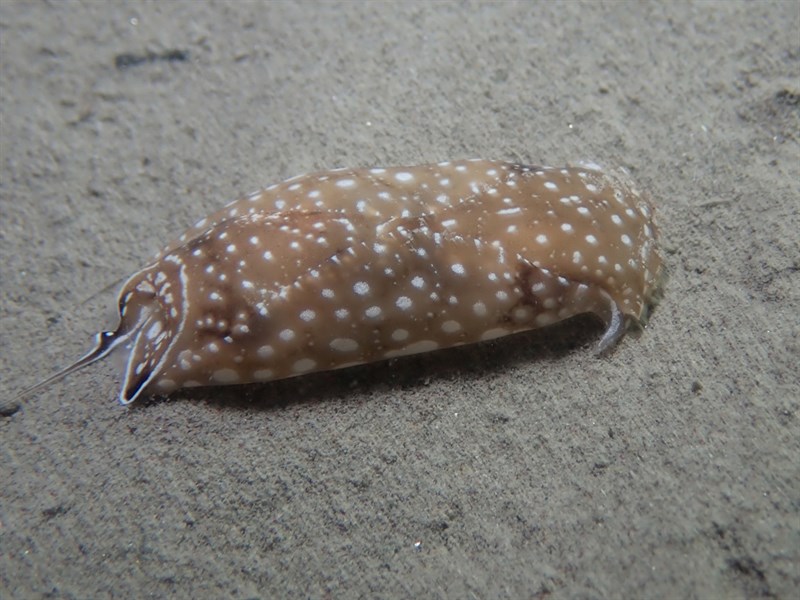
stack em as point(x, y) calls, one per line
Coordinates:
point(617, 325)
point(157, 297)
point(145, 356)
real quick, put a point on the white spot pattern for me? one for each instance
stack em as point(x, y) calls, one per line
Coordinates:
point(351, 266)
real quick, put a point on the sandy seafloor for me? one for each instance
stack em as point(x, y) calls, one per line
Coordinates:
point(522, 468)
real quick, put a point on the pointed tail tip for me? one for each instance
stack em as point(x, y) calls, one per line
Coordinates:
point(105, 342)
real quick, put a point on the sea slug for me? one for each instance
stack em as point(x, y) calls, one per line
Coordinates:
point(346, 267)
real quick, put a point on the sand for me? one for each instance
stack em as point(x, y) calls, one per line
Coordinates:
point(522, 468)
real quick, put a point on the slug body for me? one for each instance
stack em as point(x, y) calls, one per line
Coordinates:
point(345, 267)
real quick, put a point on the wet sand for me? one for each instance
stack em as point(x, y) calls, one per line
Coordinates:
point(524, 467)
